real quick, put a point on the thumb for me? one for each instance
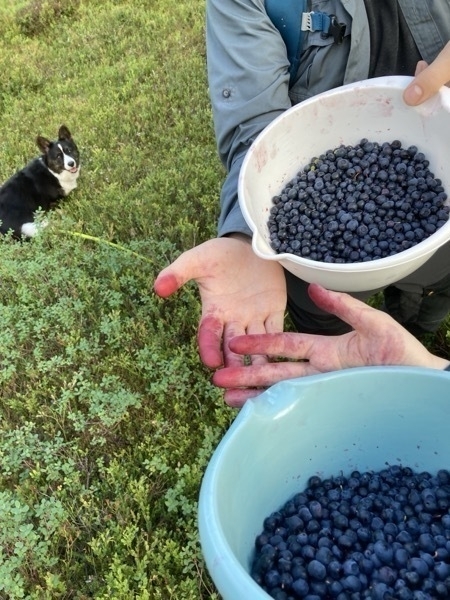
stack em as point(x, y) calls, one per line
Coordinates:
point(173, 277)
point(355, 313)
point(166, 283)
point(429, 78)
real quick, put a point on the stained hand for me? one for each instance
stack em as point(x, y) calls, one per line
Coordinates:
point(376, 339)
point(240, 293)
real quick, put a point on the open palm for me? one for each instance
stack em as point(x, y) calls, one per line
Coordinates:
point(376, 339)
point(240, 294)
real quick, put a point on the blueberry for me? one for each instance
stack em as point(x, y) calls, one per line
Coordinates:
point(324, 555)
point(379, 591)
point(305, 514)
point(446, 521)
point(334, 187)
point(419, 566)
point(388, 543)
point(300, 587)
point(302, 538)
point(272, 578)
point(387, 575)
point(401, 557)
point(308, 552)
point(377, 523)
point(276, 539)
point(316, 509)
point(383, 551)
point(286, 580)
point(271, 522)
point(284, 565)
point(317, 570)
point(351, 583)
point(340, 521)
point(442, 570)
point(427, 542)
point(314, 482)
point(294, 524)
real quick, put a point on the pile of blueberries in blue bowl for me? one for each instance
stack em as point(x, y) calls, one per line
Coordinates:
point(334, 486)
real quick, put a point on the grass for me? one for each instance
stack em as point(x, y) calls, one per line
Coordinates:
point(107, 417)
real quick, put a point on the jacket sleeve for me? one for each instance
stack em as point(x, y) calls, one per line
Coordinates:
point(248, 85)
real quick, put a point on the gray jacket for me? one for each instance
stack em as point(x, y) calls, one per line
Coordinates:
point(248, 71)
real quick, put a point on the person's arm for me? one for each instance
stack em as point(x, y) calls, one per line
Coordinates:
point(429, 78)
point(376, 339)
point(248, 85)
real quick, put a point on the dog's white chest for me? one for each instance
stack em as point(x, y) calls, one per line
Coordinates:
point(67, 180)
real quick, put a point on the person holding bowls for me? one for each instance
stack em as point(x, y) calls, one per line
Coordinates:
point(251, 82)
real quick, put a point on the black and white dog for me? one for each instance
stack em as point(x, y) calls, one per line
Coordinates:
point(39, 185)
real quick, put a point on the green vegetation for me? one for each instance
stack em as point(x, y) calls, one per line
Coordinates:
point(107, 417)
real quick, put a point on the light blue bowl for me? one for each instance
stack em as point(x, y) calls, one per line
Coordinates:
point(321, 425)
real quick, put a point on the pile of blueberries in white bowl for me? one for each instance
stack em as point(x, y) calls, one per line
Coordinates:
point(334, 486)
point(350, 188)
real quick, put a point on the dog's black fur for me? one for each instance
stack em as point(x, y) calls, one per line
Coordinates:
point(39, 185)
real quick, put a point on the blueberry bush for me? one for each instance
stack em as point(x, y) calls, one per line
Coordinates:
point(107, 417)
point(107, 423)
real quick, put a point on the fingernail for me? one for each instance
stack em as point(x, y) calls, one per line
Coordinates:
point(413, 94)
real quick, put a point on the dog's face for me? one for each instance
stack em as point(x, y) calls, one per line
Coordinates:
point(62, 154)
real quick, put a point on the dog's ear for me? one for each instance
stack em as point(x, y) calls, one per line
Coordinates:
point(43, 144)
point(64, 133)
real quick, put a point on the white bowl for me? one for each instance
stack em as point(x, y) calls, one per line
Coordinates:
point(372, 109)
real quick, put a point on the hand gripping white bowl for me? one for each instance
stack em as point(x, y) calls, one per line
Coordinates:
point(372, 109)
